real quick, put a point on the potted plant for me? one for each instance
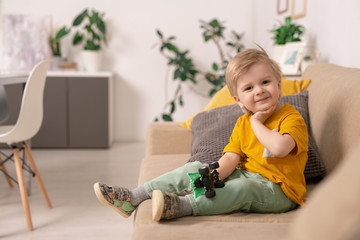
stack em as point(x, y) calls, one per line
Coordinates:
point(286, 32)
point(55, 46)
point(92, 33)
point(184, 70)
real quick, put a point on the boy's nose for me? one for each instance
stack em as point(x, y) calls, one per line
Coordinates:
point(259, 90)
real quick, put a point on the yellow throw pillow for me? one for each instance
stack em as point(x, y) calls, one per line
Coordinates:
point(290, 87)
point(223, 97)
point(220, 99)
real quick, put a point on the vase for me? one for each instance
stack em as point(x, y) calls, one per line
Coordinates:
point(55, 64)
point(91, 60)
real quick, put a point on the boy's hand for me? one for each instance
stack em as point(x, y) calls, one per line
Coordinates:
point(261, 116)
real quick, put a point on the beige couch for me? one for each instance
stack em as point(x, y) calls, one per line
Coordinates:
point(330, 211)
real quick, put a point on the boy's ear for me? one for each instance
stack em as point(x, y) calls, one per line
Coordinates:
point(237, 100)
point(242, 106)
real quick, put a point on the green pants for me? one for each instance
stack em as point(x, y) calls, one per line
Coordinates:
point(243, 191)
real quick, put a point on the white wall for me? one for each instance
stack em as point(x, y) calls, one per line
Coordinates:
point(139, 68)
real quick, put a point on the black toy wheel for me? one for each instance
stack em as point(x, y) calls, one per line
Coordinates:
point(210, 194)
point(219, 184)
point(213, 165)
point(198, 183)
point(204, 171)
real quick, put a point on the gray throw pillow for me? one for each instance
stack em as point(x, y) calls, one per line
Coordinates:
point(211, 131)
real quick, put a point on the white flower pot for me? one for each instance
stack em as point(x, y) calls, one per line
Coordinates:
point(91, 60)
point(277, 52)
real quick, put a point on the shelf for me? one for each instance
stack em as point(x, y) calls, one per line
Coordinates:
point(74, 73)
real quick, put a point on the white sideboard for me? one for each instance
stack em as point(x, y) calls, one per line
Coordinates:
point(78, 110)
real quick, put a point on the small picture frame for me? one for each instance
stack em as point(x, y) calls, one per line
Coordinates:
point(298, 9)
point(291, 58)
point(280, 6)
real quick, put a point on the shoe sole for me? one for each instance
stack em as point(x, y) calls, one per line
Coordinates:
point(103, 200)
point(157, 205)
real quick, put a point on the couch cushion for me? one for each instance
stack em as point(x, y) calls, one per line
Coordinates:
point(249, 225)
point(211, 131)
point(193, 228)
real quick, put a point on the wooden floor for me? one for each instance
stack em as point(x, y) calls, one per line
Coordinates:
point(69, 176)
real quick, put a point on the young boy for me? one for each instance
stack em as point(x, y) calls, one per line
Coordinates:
point(262, 166)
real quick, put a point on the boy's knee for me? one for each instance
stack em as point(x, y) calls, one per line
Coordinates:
point(193, 167)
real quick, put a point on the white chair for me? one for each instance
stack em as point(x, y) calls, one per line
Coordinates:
point(27, 125)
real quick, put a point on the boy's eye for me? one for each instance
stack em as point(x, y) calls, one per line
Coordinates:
point(266, 81)
point(248, 88)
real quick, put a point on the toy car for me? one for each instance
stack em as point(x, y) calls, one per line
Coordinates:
point(209, 179)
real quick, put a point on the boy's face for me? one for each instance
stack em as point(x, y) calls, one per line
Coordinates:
point(258, 89)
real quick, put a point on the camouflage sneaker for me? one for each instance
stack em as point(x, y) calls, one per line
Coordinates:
point(117, 198)
point(165, 205)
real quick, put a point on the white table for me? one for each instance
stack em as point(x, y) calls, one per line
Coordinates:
point(13, 78)
point(21, 77)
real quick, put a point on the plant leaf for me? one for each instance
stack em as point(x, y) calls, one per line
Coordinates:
point(173, 107)
point(181, 102)
point(101, 25)
point(167, 118)
point(78, 20)
point(78, 38)
point(159, 34)
point(62, 32)
point(212, 92)
point(207, 38)
point(215, 67)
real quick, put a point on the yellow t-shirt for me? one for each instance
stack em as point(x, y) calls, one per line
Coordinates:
point(287, 171)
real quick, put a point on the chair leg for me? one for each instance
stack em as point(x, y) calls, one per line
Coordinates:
point(37, 174)
point(6, 173)
point(23, 193)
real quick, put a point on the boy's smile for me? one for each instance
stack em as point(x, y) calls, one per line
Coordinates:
point(258, 89)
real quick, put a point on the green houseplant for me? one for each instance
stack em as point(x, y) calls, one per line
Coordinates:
point(184, 70)
point(285, 33)
point(91, 31)
point(54, 42)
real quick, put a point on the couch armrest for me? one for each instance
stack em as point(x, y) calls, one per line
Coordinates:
point(167, 138)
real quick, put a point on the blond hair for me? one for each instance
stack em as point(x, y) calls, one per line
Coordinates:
point(242, 62)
